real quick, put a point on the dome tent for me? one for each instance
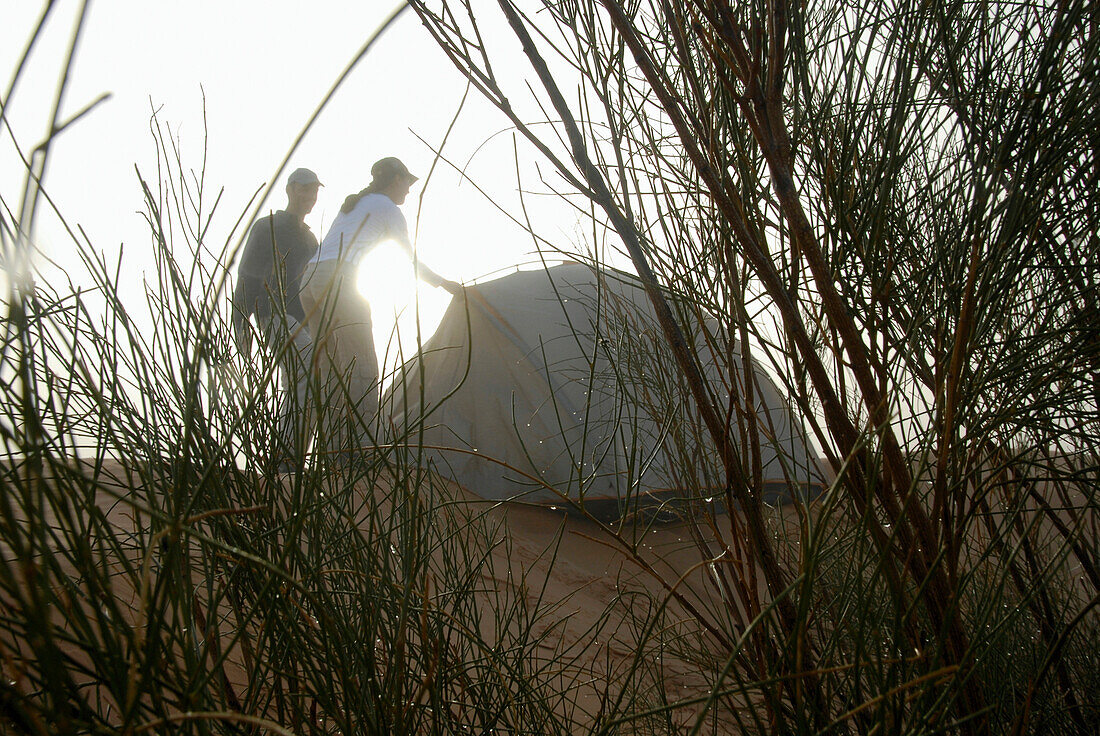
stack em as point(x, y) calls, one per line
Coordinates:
point(560, 379)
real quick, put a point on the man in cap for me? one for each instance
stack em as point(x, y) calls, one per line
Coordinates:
point(269, 286)
point(338, 314)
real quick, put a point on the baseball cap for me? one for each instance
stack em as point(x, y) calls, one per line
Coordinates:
point(303, 176)
point(389, 168)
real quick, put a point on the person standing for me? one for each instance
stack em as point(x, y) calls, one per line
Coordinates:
point(268, 290)
point(339, 316)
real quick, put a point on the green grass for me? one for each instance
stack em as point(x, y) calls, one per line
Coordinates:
point(158, 574)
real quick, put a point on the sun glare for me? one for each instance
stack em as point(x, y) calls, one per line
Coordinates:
point(386, 280)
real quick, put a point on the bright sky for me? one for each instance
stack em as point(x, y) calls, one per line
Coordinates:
point(263, 66)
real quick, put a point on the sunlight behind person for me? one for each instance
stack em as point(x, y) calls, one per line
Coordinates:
point(387, 281)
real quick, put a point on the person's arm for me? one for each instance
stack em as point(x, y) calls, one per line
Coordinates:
point(244, 303)
point(257, 256)
point(255, 263)
point(431, 277)
point(425, 274)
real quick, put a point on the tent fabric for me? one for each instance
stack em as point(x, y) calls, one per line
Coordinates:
point(557, 382)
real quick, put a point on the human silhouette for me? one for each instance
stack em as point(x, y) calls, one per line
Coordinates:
point(339, 315)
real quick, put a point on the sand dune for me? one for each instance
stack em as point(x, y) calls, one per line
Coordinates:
point(586, 589)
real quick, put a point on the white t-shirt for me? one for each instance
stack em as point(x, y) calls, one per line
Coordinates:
point(374, 219)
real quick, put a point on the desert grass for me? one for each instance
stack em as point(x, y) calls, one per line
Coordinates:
point(892, 208)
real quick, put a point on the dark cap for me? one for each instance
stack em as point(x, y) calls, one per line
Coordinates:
point(303, 176)
point(388, 169)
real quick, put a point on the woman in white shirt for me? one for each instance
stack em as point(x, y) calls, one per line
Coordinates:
point(339, 317)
